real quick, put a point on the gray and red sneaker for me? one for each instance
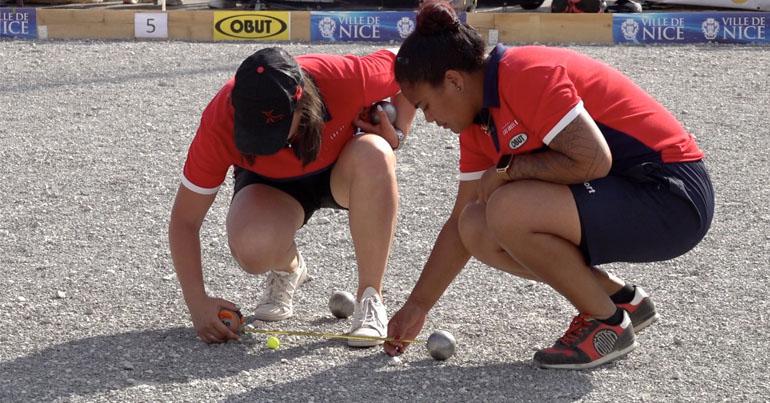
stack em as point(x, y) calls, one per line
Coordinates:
point(588, 343)
point(641, 310)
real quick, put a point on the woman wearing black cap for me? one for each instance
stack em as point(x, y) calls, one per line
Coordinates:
point(565, 164)
point(286, 125)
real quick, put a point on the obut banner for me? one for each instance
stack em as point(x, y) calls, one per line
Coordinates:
point(674, 28)
point(252, 25)
point(18, 23)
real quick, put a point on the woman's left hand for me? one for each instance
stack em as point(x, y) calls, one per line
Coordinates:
point(488, 183)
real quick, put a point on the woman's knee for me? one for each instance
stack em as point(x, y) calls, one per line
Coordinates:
point(368, 164)
point(507, 211)
point(372, 156)
point(471, 226)
point(257, 251)
point(479, 242)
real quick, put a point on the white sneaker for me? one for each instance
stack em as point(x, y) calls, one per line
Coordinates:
point(276, 302)
point(369, 319)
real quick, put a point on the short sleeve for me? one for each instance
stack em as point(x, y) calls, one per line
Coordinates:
point(379, 80)
point(545, 98)
point(473, 160)
point(207, 163)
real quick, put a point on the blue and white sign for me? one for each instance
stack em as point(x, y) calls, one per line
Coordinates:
point(364, 26)
point(674, 28)
point(18, 23)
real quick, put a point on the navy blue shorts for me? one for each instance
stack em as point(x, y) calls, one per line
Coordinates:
point(651, 212)
point(312, 191)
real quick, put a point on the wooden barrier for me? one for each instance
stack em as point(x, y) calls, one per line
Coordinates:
point(191, 25)
point(545, 27)
point(87, 24)
point(483, 22)
point(300, 26)
point(197, 25)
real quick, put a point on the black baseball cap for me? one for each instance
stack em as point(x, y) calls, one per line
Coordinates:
point(268, 85)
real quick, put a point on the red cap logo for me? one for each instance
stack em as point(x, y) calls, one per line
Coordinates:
point(270, 118)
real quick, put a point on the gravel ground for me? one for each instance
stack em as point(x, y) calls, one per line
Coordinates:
point(92, 139)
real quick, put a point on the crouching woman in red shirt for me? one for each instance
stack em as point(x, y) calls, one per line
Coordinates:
point(565, 164)
point(286, 125)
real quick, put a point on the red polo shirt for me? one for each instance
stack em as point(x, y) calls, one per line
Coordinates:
point(346, 83)
point(532, 92)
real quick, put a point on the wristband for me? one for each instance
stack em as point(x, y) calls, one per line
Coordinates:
point(400, 136)
point(503, 165)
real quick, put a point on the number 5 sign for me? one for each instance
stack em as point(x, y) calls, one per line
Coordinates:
point(151, 25)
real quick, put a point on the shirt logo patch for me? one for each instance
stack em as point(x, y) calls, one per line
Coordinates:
point(510, 126)
point(517, 141)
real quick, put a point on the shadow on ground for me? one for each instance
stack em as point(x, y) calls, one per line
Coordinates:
point(95, 365)
point(374, 379)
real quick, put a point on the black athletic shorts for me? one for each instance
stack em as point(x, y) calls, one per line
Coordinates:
point(312, 192)
point(651, 212)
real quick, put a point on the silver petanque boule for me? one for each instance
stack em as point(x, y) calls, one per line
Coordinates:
point(441, 345)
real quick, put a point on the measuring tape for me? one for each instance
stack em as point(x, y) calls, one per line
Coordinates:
point(252, 329)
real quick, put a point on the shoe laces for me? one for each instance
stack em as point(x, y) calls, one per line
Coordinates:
point(370, 317)
point(279, 288)
point(577, 329)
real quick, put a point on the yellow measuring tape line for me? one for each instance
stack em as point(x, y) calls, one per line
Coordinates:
point(251, 329)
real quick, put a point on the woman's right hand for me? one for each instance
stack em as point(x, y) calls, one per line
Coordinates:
point(205, 317)
point(384, 129)
point(404, 325)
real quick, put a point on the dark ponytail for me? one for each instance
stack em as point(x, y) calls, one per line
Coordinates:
point(440, 42)
point(435, 17)
point(307, 142)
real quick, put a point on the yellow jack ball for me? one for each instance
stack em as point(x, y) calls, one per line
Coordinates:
point(273, 342)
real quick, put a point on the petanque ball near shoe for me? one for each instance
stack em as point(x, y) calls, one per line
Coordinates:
point(388, 107)
point(231, 319)
point(342, 304)
point(441, 345)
